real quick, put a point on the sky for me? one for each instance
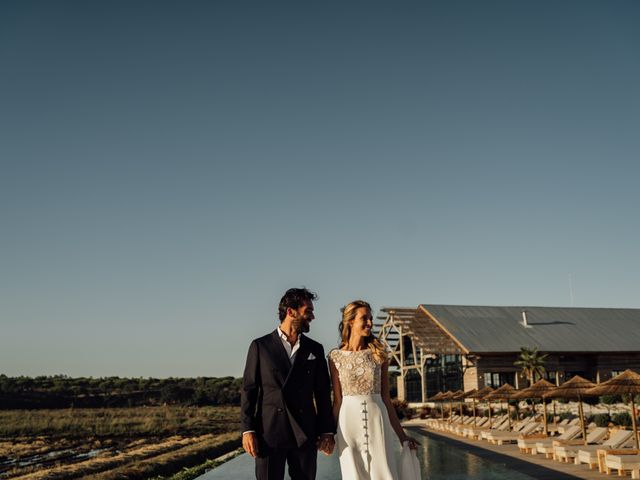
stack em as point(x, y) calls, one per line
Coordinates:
point(169, 169)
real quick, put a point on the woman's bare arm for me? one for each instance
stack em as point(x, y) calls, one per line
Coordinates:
point(337, 390)
point(393, 416)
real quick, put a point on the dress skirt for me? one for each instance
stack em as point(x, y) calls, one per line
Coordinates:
point(366, 443)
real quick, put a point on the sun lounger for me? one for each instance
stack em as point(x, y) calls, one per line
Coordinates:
point(534, 445)
point(563, 451)
point(546, 446)
point(623, 462)
point(460, 427)
point(589, 453)
point(475, 432)
point(481, 424)
point(501, 438)
point(570, 423)
point(454, 427)
point(527, 443)
point(504, 426)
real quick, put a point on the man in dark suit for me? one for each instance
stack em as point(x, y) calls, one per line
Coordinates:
point(286, 407)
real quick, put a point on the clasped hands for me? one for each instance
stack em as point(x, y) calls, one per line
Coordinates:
point(326, 443)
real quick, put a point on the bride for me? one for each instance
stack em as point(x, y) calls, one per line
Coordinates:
point(370, 438)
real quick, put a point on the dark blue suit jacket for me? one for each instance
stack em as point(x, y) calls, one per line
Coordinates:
point(286, 405)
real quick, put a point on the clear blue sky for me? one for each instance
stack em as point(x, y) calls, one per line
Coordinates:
point(169, 169)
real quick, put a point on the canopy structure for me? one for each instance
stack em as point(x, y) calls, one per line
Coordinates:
point(505, 392)
point(574, 389)
point(627, 383)
point(480, 395)
point(538, 390)
point(438, 397)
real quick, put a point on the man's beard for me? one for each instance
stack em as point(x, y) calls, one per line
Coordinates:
point(301, 324)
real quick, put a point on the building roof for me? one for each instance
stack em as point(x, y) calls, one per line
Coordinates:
point(485, 329)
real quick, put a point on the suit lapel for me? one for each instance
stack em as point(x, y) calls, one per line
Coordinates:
point(279, 356)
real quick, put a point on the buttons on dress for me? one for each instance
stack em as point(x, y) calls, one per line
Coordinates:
point(365, 425)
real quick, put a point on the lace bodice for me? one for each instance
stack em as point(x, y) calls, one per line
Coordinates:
point(358, 371)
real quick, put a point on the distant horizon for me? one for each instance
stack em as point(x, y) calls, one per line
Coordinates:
point(310, 335)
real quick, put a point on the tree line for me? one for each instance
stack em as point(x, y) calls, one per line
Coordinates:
point(61, 391)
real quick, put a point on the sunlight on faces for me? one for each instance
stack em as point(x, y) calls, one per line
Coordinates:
point(362, 323)
point(302, 317)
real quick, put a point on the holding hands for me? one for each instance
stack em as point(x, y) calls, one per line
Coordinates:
point(326, 443)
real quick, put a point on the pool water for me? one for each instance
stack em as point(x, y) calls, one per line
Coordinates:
point(444, 461)
point(439, 460)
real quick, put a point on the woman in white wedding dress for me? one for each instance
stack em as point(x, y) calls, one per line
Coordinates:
point(370, 439)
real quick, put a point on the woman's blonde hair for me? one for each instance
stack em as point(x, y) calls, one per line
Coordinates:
point(372, 342)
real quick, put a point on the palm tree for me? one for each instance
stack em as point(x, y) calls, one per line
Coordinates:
point(531, 363)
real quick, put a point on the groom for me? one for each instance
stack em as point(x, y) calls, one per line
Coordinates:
point(286, 408)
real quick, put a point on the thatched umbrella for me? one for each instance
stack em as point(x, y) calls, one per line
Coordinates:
point(457, 396)
point(505, 392)
point(627, 383)
point(468, 395)
point(576, 388)
point(479, 395)
point(460, 396)
point(447, 396)
point(438, 398)
point(537, 390)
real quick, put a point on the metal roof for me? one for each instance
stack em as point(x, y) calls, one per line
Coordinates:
point(486, 329)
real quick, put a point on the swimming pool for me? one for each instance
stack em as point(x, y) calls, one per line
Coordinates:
point(442, 461)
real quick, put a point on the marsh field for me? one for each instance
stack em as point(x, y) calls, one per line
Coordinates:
point(114, 443)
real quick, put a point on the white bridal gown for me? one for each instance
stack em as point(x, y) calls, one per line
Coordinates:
point(368, 446)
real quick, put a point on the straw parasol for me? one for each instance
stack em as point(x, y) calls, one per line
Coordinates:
point(447, 396)
point(537, 390)
point(438, 398)
point(468, 395)
point(453, 397)
point(576, 388)
point(460, 396)
point(505, 392)
point(479, 395)
point(627, 383)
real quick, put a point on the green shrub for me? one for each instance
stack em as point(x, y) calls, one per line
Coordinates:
point(566, 415)
point(610, 399)
point(627, 399)
point(623, 419)
point(600, 419)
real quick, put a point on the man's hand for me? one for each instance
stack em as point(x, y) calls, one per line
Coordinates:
point(250, 443)
point(326, 443)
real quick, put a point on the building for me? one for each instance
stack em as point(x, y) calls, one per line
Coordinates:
point(449, 347)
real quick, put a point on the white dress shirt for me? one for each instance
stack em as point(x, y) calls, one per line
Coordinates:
point(291, 350)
